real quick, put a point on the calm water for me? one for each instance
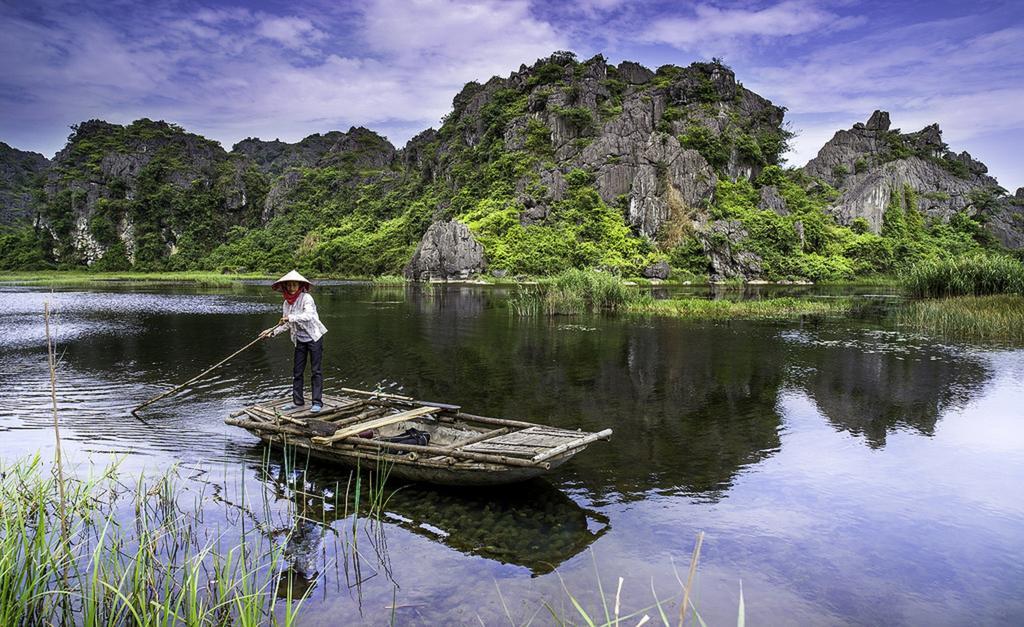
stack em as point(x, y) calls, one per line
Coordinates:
point(843, 472)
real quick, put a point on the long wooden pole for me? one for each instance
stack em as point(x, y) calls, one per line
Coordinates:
point(200, 375)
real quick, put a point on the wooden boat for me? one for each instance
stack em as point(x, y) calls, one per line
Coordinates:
point(463, 449)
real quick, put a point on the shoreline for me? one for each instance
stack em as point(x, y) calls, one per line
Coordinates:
point(211, 279)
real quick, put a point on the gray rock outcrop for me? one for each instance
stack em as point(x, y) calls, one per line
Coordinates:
point(722, 241)
point(850, 150)
point(21, 174)
point(770, 200)
point(871, 163)
point(447, 251)
point(658, 270)
point(623, 125)
point(634, 73)
point(939, 193)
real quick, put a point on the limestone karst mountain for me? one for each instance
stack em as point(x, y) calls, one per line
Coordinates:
point(870, 163)
point(562, 163)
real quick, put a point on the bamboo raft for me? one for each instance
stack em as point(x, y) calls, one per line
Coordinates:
point(464, 449)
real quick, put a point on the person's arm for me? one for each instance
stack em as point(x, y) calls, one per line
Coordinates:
point(274, 331)
point(280, 327)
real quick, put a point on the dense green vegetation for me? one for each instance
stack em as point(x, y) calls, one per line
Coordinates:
point(86, 277)
point(808, 243)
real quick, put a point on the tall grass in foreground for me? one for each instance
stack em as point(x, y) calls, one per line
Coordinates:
point(130, 555)
point(975, 275)
point(991, 318)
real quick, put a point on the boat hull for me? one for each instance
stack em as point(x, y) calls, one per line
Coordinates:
point(405, 468)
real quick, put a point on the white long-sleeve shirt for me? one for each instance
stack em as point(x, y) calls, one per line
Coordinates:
point(302, 317)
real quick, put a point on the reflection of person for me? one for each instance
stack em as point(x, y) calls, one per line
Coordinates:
point(299, 316)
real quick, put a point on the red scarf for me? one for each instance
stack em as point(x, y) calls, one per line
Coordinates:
point(291, 298)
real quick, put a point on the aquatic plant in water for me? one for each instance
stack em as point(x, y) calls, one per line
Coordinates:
point(975, 275)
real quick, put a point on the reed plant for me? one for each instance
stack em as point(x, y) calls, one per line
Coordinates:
point(610, 611)
point(575, 292)
point(973, 275)
point(764, 309)
point(128, 556)
point(988, 318)
point(389, 279)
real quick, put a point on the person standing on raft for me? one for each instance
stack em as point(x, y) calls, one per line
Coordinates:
point(299, 316)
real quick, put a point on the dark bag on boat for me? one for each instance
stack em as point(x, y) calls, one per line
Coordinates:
point(410, 436)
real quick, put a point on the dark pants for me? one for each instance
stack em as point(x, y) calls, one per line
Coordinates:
point(315, 352)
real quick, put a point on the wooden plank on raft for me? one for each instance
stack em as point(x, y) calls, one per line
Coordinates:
point(480, 437)
point(558, 450)
point(351, 430)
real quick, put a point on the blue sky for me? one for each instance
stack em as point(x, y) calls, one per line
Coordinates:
point(230, 70)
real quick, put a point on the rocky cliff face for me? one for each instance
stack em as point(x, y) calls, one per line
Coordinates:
point(655, 141)
point(21, 175)
point(112, 185)
point(871, 163)
point(358, 150)
point(448, 251)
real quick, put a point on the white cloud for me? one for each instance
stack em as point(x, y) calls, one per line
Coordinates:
point(231, 72)
point(710, 24)
point(454, 37)
point(292, 32)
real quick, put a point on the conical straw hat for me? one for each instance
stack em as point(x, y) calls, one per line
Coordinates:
point(291, 276)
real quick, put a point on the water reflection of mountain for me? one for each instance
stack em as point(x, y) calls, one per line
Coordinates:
point(690, 404)
point(533, 525)
point(871, 388)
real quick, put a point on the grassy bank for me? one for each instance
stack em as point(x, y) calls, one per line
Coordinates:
point(579, 291)
point(765, 309)
point(990, 318)
point(74, 277)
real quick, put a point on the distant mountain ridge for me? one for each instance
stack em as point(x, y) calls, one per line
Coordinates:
point(562, 163)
